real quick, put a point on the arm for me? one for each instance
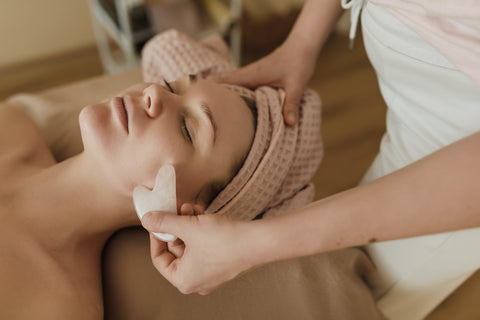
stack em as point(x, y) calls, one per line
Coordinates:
point(292, 64)
point(437, 193)
point(313, 26)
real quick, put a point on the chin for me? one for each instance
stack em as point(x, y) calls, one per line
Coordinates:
point(103, 149)
point(93, 121)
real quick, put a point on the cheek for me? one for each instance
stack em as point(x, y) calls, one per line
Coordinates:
point(149, 153)
point(191, 177)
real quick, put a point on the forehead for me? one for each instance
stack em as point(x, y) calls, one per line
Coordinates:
point(231, 114)
point(229, 111)
point(216, 95)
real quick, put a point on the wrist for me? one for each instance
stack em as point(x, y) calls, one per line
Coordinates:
point(259, 243)
point(294, 234)
point(270, 240)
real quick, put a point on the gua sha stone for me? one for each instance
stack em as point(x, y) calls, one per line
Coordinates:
point(162, 198)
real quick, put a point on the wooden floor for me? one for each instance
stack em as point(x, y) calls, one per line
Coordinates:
point(353, 115)
point(353, 120)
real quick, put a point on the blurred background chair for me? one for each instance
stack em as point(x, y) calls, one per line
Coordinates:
point(122, 27)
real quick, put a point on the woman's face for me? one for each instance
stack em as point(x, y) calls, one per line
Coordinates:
point(198, 126)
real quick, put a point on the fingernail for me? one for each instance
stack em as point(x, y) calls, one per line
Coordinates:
point(292, 117)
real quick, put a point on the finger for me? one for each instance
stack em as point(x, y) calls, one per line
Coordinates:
point(159, 252)
point(165, 222)
point(176, 248)
point(163, 260)
point(187, 209)
point(198, 209)
point(291, 104)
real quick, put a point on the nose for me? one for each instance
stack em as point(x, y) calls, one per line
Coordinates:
point(156, 98)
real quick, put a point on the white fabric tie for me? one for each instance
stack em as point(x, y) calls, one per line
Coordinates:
point(355, 7)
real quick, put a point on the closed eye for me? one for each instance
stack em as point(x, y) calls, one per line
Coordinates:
point(169, 86)
point(185, 131)
point(183, 125)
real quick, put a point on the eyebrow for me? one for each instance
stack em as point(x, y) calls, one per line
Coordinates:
point(208, 112)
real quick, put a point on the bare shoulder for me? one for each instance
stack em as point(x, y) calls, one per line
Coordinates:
point(16, 129)
point(20, 137)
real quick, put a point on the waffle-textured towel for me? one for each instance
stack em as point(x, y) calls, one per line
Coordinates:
point(276, 174)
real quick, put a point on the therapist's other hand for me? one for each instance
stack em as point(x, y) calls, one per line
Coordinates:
point(285, 68)
point(210, 251)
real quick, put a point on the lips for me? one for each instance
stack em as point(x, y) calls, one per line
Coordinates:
point(120, 111)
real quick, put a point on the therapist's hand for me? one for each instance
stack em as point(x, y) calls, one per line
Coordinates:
point(285, 68)
point(213, 249)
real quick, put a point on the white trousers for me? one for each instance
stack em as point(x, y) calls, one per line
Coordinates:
point(430, 105)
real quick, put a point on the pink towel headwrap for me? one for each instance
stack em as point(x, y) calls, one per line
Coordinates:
point(276, 174)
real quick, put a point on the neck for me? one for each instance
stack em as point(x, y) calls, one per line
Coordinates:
point(70, 204)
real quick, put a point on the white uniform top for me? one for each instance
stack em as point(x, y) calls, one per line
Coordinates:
point(430, 105)
point(450, 26)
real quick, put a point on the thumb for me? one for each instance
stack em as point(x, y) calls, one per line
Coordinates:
point(291, 104)
point(165, 222)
